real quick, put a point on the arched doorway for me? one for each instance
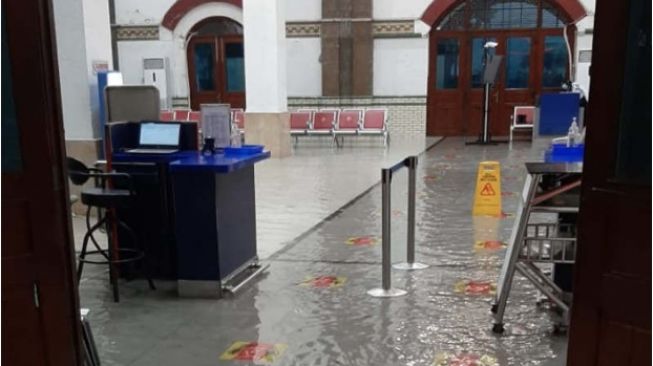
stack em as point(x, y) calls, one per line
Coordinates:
point(216, 64)
point(529, 34)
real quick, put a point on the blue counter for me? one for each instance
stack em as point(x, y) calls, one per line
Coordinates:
point(197, 215)
point(218, 163)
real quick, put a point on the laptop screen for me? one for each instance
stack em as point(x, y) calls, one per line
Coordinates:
point(159, 134)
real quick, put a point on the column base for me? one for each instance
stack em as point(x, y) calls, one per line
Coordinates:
point(271, 130)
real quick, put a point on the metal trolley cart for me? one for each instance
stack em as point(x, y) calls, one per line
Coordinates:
point(553, 189)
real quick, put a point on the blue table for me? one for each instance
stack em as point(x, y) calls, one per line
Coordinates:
point(215, 220)
point(195, 216)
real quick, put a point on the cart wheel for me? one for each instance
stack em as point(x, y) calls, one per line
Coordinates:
point(498, 328)
point(494, 308)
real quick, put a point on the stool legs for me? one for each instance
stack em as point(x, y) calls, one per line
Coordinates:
point(110, 254)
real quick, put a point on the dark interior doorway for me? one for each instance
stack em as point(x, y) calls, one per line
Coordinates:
point(216, 63)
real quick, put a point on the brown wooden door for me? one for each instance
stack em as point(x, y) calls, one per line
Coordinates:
point(216, 70)
point(611, 314)
point(40, 310)
point(445, 84)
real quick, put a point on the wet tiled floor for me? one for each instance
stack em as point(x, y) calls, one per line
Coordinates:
point(311, 306)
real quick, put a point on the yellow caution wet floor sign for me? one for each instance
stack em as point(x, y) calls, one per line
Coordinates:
point(487, 196)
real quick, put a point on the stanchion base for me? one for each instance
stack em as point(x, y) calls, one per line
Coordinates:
point(410, 266)
point(393, 292)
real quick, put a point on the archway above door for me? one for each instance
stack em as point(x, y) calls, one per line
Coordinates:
point(181, 7)
point(438, 9)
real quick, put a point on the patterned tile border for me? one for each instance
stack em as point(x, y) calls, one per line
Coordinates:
point(370, 101)
point(137, 32)
point(380, 29)
point(393, 28)
point(303, 29)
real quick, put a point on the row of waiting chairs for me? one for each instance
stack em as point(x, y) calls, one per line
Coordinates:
point(339, 123)
point(311, 122)
point(237, 116)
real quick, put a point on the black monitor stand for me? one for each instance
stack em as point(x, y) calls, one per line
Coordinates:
point(489, 76)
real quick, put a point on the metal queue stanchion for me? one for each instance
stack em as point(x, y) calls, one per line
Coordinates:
point(386, 289)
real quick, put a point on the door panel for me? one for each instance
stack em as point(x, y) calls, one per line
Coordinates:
point(611, 317)
point(233, 69)
point(40, 310)
point(517, 85)
point(203, 76)
point(446, 95)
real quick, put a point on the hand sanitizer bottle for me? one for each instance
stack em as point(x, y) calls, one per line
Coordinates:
point(235, 137)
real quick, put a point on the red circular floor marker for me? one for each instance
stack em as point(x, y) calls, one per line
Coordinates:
point(362, 240)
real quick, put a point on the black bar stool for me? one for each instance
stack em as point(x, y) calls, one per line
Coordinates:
point(102, 195)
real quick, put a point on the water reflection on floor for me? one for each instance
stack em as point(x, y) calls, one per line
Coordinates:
point(311, 307)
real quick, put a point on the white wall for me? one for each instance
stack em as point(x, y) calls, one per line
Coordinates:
point(304, 67)
point(299, 10)
point(142, 11)
point(395, 9)
point(98, 49)
point(73, 78)
point(400, 66)
point(264, 37)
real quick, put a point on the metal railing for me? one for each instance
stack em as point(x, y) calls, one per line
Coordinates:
point(386, 289)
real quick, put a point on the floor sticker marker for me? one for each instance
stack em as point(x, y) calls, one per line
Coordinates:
point(260, 353)
point(324, 281)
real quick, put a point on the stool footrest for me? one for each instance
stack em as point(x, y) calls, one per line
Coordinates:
point(135, 256)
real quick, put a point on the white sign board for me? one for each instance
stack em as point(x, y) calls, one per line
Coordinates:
point(216, 123)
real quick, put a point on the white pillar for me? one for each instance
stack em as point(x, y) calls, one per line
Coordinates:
point(265, 55)
point(266, 119)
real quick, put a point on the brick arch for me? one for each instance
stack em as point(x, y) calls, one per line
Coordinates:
point(181, 7)
point(573, 9)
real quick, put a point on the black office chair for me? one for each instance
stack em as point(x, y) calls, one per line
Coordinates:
point(103, 195)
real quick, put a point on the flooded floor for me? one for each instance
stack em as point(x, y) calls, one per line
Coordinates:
point(311, 306)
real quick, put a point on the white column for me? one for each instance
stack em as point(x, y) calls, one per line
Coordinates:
point(265, 55)
point(266, 119)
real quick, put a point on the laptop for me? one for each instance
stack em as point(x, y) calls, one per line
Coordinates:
point(157, 138)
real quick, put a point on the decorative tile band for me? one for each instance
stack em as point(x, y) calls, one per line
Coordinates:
point(137, 32)
point(302, 29)
point(371, 101)
point(380, 29)
point(393, 28)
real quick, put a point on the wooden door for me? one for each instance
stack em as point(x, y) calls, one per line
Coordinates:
point(473, 101)
point(611, 314)
point(232, 71)
point(216, 70)
point(40, 309)
point(445, 84)
point(203, 60)
point(517, 81)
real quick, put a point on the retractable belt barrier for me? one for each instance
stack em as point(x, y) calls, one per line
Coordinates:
point(386, 289)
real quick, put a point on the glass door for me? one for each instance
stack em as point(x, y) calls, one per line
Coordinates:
point(202, 71)
point(233, 71)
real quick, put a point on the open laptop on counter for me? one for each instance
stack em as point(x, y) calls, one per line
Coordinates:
point(157, 138)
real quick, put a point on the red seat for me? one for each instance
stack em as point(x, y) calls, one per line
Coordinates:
point(166, 116)
point(195, 116)
point(181, 114)
point(374, 119)
point(299, 122)
point(348, 120)
point(375, 122)
point(324, 121)
point(238, 118)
